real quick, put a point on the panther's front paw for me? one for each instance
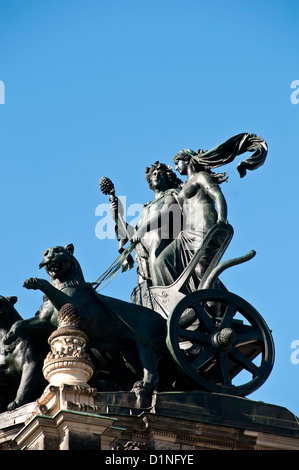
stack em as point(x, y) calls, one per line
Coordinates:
point(33, 283)
point(13, 405)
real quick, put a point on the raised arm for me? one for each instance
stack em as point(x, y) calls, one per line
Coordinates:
point(125, 230)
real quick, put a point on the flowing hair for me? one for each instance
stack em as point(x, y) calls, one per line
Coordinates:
point(227, 152)
point(190, 157)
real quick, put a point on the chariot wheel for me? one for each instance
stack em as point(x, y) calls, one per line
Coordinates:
point(220, 342)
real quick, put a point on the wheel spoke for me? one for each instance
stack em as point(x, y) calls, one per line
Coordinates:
point(193, 335)
point(247, 338)
point(224, 366)
point(202, 359)
point(243, 360)
point(228, 316)
point(205, 318)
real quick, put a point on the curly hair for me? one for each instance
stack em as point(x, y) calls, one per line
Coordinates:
point(171, 178)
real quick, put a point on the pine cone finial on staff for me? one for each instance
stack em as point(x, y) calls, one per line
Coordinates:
point(106, 185)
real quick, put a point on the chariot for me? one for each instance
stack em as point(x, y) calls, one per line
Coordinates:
point(217, 340)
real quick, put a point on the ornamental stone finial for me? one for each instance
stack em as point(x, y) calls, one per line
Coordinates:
point(68, 316)
point(67, 362)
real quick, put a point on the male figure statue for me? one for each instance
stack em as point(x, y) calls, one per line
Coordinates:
point(163, 181)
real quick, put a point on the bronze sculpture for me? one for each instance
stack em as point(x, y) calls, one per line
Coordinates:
point(193, 331)
point(190, 264)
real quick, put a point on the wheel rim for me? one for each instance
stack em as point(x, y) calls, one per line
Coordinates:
point(214, 351)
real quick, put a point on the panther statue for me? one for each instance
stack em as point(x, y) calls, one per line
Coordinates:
point(129, 335)
point(21, 379)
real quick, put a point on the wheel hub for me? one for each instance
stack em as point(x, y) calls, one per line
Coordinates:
point(224, 339)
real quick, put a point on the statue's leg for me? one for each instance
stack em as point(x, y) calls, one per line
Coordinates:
point(29, 379)
point(144, 389)
point(166, 269)
point(3, 375)
point(22, 327)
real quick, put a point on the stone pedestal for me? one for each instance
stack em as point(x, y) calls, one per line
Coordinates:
point(68, 430)
point(189, 421)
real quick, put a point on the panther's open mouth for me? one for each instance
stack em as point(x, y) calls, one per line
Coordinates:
point(53, 267)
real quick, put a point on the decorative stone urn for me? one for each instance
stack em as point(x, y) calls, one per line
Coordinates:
point(67, 362)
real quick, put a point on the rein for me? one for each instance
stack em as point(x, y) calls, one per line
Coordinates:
point(111, 272)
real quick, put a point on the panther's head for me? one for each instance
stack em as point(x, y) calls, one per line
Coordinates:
point(59, 261)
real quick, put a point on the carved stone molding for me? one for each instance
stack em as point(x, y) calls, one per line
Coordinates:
point(69, 397)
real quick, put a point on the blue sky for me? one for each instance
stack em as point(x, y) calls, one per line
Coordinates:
point(96, 88)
